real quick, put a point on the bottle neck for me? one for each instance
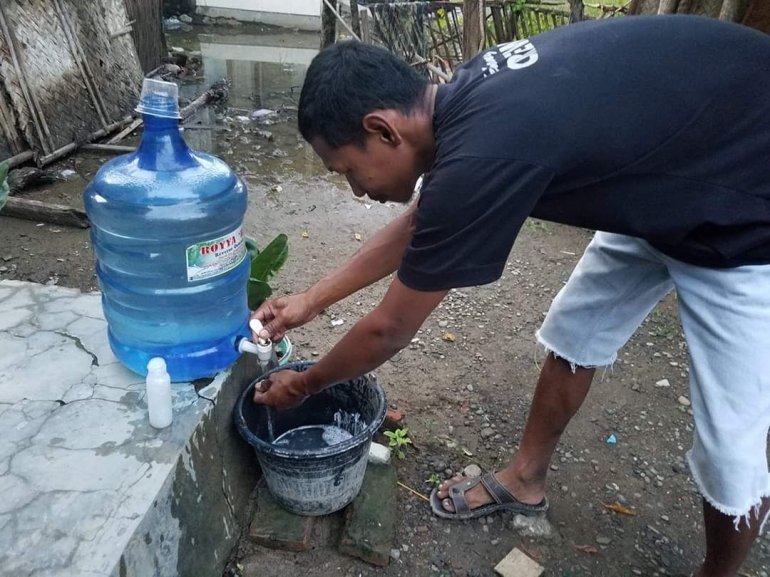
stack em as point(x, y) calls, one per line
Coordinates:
point(162, 147)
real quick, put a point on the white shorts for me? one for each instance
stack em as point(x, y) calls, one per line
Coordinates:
point(725, 314)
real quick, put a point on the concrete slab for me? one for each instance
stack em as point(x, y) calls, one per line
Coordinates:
point(89, 488)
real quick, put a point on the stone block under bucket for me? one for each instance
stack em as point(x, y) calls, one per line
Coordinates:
point(320, 481)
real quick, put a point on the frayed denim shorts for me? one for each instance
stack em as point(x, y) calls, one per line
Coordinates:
point(725, 315)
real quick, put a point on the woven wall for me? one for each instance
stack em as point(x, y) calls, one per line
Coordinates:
point(64, 71)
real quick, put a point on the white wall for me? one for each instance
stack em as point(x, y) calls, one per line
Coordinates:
point(295, 7)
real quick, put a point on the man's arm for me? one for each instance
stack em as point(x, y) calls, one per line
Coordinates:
point(372, 341)
point(376, 259)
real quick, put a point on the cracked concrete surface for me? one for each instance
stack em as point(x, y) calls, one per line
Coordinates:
point(89, 488)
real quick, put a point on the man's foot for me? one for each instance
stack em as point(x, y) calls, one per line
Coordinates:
point(478, 496)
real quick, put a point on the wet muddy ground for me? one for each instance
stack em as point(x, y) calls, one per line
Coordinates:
point(465, 401)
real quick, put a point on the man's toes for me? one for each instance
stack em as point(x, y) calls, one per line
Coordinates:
point(443, 488)
point(448, 505)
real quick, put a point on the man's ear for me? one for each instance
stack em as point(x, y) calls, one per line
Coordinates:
point(382, 124)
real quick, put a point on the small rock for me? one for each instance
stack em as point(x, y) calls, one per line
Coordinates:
point(470, 388)
point(8, 257)
point(485, 528)
point(443, 324)
point(564, 489)
point(635, 387)
point(663, 383)
point(603, 540)
point(490, 519)
point(472, 471)
point(684, 401)
point(439, 467)
point(537, 526)
point(3, 269)
point(554, 467)
point(422, 529)
point(278, 153)
point(395, 554)
point(494, 542)
point(186, 18)
point(487, 433)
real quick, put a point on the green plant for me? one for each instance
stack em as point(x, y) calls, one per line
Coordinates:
point(265, 264)
point(4, 190)
point(434, 480)
point(398, 440)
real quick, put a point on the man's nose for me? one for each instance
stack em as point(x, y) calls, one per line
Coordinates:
point(357, 190)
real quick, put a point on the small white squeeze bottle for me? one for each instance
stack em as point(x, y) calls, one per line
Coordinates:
point(159, 393)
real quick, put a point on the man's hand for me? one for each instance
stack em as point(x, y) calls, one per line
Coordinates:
point(282, 390)
point(283, 314)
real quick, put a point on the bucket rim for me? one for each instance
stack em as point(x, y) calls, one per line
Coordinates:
point(273, 450)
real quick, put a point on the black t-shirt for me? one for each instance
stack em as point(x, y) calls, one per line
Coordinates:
point(655, 127)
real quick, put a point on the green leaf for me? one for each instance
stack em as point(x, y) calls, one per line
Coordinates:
point(268, 262)
point(389, 434)
point(258, 292)
point(4, 189)
point(252, 248)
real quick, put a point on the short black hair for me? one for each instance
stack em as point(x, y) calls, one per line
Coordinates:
point(347, 81)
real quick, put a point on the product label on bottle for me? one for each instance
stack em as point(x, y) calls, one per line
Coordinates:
point(212, 258)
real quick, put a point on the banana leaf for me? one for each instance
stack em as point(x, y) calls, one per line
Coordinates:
point(258, 291)
point(270, 260)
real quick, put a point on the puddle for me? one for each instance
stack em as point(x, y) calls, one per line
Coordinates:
point(266, 69)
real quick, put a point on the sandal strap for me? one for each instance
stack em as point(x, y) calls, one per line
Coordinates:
point(498, 492)
point(457, 494)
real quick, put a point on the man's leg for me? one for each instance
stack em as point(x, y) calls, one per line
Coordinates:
point(558, 396)
point(726, 548)
point(726, 319)
point(613, 288)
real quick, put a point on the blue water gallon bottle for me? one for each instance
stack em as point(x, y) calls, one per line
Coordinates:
point(171, 260)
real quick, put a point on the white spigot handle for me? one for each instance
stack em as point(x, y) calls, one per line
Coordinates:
point(246, 346)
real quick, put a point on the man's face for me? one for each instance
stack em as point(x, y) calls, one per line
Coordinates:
point(381, 170)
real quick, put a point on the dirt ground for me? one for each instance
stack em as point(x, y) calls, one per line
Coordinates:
point(451, 392)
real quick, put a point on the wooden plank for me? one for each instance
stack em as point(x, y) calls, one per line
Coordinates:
point(112, 148)
point(126, 131)
point(497, 18)
point(45, 212)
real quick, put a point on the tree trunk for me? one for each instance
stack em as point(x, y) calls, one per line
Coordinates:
point(473, 28)
point(328, 25)
point(576, 9)
point(758, 15)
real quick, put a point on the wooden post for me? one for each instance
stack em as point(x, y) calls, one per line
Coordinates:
point(355, 17)
point(366, 27)
point(473, 28)
point(328, 25)
point(576, 9)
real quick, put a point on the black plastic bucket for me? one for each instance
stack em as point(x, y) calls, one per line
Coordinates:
point(318, 482)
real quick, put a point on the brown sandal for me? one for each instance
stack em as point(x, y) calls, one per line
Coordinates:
point(504, 501)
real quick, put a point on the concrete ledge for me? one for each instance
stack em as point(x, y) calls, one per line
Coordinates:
point(300, 21)
point(89, 488)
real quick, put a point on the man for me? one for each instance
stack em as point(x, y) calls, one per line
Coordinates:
point(654, 131)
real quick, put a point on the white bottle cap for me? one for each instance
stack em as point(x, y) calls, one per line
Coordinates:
point(156, 365)
point(159, 98)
